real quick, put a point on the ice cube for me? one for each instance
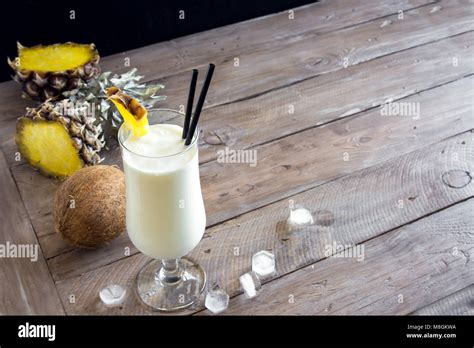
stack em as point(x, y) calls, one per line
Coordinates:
point(217, 300)
point(112, 295)
point(299, 218)
point(263, 263)
point(250, 284)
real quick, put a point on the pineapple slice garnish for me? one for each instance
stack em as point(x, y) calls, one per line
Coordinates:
point(134, 114)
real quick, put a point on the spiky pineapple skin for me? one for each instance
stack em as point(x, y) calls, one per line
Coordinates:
point(85, 133)
point(42, 86)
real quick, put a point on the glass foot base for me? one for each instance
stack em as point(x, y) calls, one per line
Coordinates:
point(171, 294)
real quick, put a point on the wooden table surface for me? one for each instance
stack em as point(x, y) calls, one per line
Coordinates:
point(306, 95)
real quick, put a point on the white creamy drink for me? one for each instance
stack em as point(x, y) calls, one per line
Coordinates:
point(165, 209)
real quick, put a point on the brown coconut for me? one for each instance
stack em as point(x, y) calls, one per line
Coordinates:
point(89, 207)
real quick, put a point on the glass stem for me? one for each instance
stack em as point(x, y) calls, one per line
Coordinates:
point(170, 271)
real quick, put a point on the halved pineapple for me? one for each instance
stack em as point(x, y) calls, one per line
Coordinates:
point(46, 71)
point(57, 158)
point(58, 140)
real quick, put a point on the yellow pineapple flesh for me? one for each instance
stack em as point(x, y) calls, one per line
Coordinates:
point(58, 158)
point(55, 58)
point(134, 114)
point(59, 138)
point(45, 72)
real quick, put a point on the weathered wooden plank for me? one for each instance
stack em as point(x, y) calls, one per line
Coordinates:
point(375, 200)
point(333, 96)
point(44, 187)
point(55, 245)
point(322, 99)
point(26, 286)
point(324, 16)
point(278, 64)
point(458, 303)
point(40, 208)
point(230, 189)
point(221, 44)
point(359, 45)
point(365, 140)
point(265, 117)
point(401, 271)
point(114, 251)
point(269, 66)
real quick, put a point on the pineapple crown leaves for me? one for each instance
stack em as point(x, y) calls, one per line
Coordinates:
point(127, 82)
point(94, 91)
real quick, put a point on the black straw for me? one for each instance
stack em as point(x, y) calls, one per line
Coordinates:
point(202, 97)
point(189, 106)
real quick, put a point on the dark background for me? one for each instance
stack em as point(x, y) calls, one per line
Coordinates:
point(116, 26)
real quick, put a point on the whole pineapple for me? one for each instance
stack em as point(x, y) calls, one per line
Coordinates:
point(44, 72)
point(60, 138)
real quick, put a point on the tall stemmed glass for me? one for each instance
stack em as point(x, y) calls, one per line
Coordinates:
point(165, 217)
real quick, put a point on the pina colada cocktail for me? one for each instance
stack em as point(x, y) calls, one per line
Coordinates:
point(165, 210)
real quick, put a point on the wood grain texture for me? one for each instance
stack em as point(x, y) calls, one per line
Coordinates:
point(459, 303)
point(276, 64)
point(26, 286)
point(221, 44)
point(316, 102)
point(269, 66)
point(401, 271)
point(231, 189)
point(334, 96)
point(361, 175)
point(366, 139)
point(370, 206)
